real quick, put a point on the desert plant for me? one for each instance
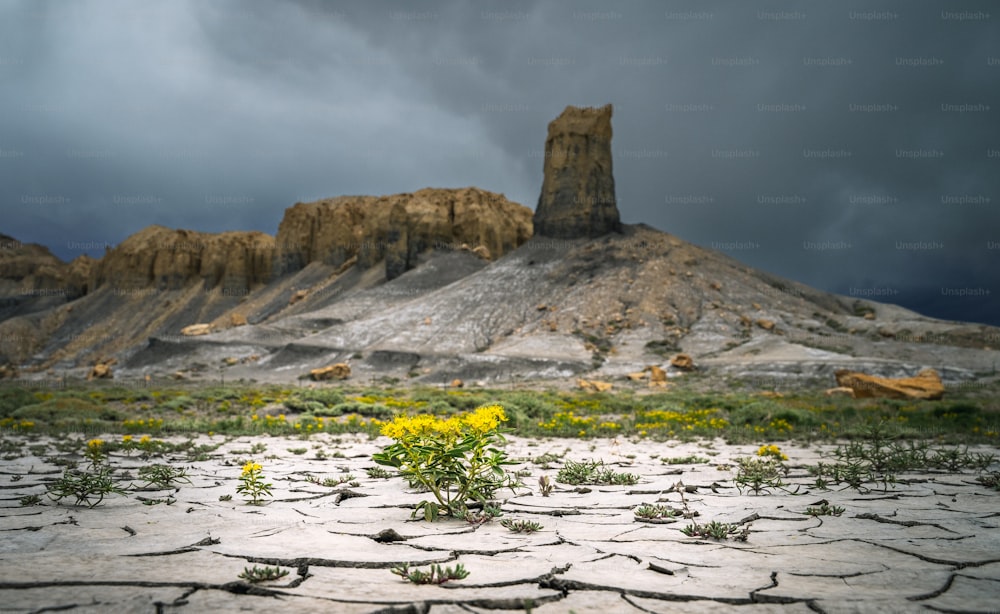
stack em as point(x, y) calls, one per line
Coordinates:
point(163, 476)
point(88, 486)
point(256, 574)
point(545, 485)
point(759, 474)
point(378, 473)
point(716, 530)
point(656, 513)
point(434, 575)
point(455, 459)
point(252, 485)
point(823, 508)
point(520, 526)
point(29, 500)
point(594, 473)
point(489, 512)
point(691, 459)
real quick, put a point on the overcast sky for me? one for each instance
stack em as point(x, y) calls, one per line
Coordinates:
point(853, 146)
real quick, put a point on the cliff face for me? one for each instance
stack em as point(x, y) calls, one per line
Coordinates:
point(578, 189)
point(398, 228)
point(165, 259)
point(28, 269)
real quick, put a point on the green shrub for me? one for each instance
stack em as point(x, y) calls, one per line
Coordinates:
point(12, 399)
point(66, 409)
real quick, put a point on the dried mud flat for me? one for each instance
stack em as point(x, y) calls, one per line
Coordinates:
point(931, 543)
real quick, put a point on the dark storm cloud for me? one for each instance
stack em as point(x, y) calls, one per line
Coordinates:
point(851, 146)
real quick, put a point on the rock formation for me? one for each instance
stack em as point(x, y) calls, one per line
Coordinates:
point(926, 385)
point(165, 259)
point(338, 371)
point(578, 189)
point(398, 228)
point(28, 269)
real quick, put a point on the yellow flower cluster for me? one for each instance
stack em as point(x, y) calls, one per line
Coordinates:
point(481, 421)
point(772, 451)
point(144, 440)
point(141, 424)
point(126, 439)
point(95, 444)
point(16, 424)
point(251, 468)
point(700, 419)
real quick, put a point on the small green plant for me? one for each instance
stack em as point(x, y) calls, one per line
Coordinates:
point(691, 459)
point(716, 530)
point(298, 450)
point(489, 512)
point(88, 487)
point(545, 485)
point(29, 500)
point(593, 473)
point(256, 574)
point(823, 508)
point(759, 474)
point(378, 473)
point(656, 513)
point(454, 459)
point(990, 480)
point(252, 485)
point(225, 497)
point(434, 575)
point(163, 476)
point(520, 526)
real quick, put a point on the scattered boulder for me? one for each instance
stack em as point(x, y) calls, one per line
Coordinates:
point(683, 362)
point(638, 376)
point(457, 383)
point(578, 187)
point(765, 324)
point(839, 391)
point(925, 385)
point(657, 377)
point(231, 360)
point(9, 371)
point(869, 315)
point(337, 371)
point(594, 385)
point(102, 370)
point(297, 296)
point(195, 330)
point(237, 319)
point(483, 252)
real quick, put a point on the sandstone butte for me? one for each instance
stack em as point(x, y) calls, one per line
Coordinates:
point(578, 190)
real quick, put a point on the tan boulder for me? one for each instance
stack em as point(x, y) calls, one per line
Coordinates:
point(457, 383)
point(839, 391)
point(102, 370)
point(594, 385)
point(683, 362)
point(765, 324)
point(925, 385)
point(638, 376)
point(869, 315)
point(337, 371)
point(657, 377)
point(237, 319)
point(483, 252)
point(297, 296)
point(195, 330)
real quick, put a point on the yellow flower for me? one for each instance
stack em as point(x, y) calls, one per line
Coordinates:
point(144, 439)
point(126, 438)
point(95, 444)
point(251, 467)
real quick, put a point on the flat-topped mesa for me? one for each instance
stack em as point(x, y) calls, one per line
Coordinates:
point(399, 227)
point(578, 189)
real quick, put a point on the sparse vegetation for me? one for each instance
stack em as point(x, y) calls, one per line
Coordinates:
point(593, 473)
point(436, 574)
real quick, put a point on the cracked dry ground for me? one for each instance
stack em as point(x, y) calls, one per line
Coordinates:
point(930, 543)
